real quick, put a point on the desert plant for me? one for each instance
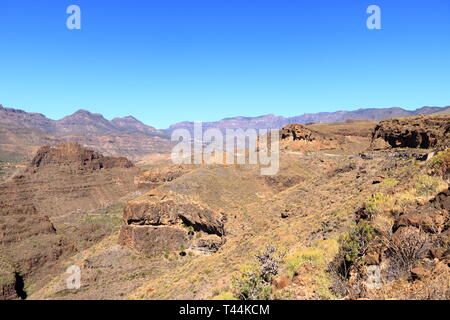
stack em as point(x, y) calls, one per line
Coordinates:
point(255, 282)
point(353, 246)
point(269, 262)
point(409, 247)
point(426, 185)
point(440, 163)
point(377, 203)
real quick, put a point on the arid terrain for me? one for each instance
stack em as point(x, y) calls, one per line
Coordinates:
point(358, 210)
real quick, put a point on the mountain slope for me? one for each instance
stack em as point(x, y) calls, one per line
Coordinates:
point(22, 133)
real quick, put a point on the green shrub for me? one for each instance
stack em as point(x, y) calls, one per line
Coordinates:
point(255, 282)
point(250, 285)
point(426, 185)
point(378, 202)
point(441, 162)
point(354, 243)
point(389, 183)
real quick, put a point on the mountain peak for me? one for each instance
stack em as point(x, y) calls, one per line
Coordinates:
point(83, 112)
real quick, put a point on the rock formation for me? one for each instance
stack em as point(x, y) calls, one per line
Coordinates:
point(297, 137)
point(29, 244)
point(425, 132)
point(156, 177)
point(166, 221)
point(74, 155)
point(68, 178)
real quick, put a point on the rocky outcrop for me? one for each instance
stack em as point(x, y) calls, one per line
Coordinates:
point(7, 281)
point(425, 132)
point(18, 223)
point(68, 178)
point(297, 137)
point(166, 221)
point(75, 156)
point(299, 132)
point(414, 244)
point(29, 244)
point(158, 176)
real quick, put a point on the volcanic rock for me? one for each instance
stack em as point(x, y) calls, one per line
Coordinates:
point(164, 221)
point(74, 155)
point(423, 132)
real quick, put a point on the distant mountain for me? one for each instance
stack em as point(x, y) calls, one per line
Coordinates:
point(133, 125)
point(21, 133)
point(276, 122)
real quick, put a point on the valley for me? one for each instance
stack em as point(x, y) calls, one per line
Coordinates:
point(349, 197)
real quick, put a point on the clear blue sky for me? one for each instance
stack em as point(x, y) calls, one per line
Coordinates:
point(165, 61)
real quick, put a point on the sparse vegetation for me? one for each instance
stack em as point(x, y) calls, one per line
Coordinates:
point(378, 202)
point(427, 185)
point(411, 246)
point(254, 282)
point(440, 163)
point(353, 246)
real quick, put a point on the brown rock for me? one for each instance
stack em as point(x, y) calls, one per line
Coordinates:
point(379, 144)
point(208, 243)
point(414, 132)
point(281, 282)
point(372, 258)
point(298, 132)
point(428, 222)
point(418, 273)
point(156, 177)
point(156, 222)
point(148, 239)
point(76, 157)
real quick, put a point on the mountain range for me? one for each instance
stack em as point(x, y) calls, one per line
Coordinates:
point(22, 133)
point(272, 121)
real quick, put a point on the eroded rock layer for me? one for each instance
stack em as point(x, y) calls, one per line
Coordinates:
point(166, 221)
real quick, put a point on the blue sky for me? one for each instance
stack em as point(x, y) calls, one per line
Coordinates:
point(165, 61)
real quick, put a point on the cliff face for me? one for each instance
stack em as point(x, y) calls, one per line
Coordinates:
point(425, 132)
point(29, 244)
point(166, 221)
point(75, 156)
point(68, 178)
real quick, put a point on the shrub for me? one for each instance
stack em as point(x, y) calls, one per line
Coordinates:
point(441, 162)
point(255, 282)
point(250, 285)
point(377, 203)
point(426, 185)
point(294, 262)
point(389, 183)
point(411, 246)
point(353, 246)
